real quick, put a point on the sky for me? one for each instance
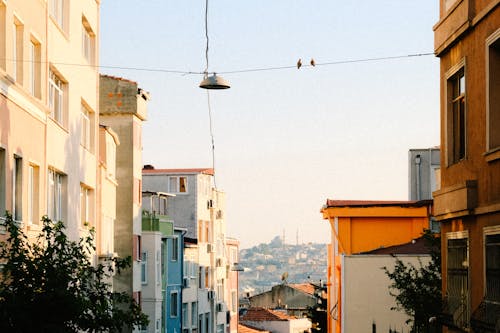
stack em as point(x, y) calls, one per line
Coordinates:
point(288, 139)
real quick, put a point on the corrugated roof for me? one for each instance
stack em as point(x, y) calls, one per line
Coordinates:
point(249, 329)
point(261, 314)
point(416, 246)
point(306, 288)
point(205, 171)
point(374, 203)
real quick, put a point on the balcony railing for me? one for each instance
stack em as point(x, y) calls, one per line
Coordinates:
point(486, 317)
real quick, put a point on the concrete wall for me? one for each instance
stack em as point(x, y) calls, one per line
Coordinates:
point(422, 173)
point(282, 296)
point(363, 280)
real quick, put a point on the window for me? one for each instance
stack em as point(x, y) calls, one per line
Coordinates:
point(177, 184)
point(33, 194)
point(200, 277)
point(55, 196)
point(35, 68)
point(137, 248)
point(17, 51)
point(88, 41)
point(17, 188)
point(220, 289)
point(458, 281)
point(87, 128)
point(158, 267)
point(207, 277)
point(234, 301)
point(144, 268)
point(194, 313)
point(174, 304)
point(185, 319)
point(3, 182)
point(174, 249)
point(57, 10)
point(85, 205)
point(220, 328)
point(57, 88)
point(493, 82)
point(492, 255)
point(3, 29)
point(456, 127)
point(111, 157)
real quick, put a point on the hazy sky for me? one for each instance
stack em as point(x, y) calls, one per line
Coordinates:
point(285, 140)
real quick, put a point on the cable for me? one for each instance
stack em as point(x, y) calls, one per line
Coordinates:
point(247, 70)
point(206, 36)
point(211, 135)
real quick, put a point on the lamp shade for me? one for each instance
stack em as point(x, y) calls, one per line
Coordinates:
point(214, 82)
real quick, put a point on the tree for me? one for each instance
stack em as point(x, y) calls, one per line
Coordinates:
point(417, 290)
point(51, 285)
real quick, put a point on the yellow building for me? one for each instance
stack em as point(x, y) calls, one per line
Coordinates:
point(362, 226)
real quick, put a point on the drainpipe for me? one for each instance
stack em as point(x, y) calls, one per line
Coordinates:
point(417, 164)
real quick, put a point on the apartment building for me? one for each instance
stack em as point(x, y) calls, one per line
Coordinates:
point(467, 42)
point(199, 208)
point(48, 120)
point(123, 107)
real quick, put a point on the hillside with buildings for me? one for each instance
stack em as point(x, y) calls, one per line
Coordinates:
point(267, 264)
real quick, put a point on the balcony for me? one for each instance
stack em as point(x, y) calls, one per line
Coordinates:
point(454, 21)
point(455, 201)
point(154, 222)
point(486, 317)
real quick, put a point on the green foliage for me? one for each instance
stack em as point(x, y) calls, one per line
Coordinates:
point(417, 290)
point(51, 285)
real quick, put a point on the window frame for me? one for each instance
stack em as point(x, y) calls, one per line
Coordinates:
point(87, 124)
point(86, 195)
point(174, 184)
point(144, 267)
point(460, 235)
point(492, 42)
point(57, 11)
point(17, 189)
point(488, 231)
point(57, 93)
point(174, 248)
point(174, 300)
point(454, 145)
point(33, 193)
point(55, 195)
point(88, 41)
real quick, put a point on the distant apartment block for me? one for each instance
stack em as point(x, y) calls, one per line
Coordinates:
point(423, 173)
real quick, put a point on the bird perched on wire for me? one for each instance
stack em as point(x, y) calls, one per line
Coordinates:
point(299, 63)
point(313, 63)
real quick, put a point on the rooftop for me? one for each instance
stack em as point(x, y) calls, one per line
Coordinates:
point(249, 329)
point(149, 169)
point(306, 288)
point(416, 246)
point(375, 203)
point(261, 314)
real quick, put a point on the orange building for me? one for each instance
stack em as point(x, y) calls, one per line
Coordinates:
point(467, 42)
point(361, 226)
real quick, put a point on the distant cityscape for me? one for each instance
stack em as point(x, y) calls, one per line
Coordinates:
point(269, 264)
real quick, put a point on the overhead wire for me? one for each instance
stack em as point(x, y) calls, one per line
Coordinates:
point(236, 71)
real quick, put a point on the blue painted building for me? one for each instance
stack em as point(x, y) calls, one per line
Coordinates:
point(173, 257)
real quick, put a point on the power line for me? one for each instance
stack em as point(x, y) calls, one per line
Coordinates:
point(237, 71)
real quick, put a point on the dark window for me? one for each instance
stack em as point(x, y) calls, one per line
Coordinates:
point(492, 249)
point(458, 281)
point(456, 117)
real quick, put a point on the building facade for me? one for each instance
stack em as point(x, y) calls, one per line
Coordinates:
point(199, 208)
point(48, 119)
point(467, 42)
point(361, 226)
point(123, 107)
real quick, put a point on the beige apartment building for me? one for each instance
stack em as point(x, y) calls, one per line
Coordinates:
point(48, 120)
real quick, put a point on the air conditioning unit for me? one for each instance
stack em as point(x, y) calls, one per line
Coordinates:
point(219, 307)
point(210, 248)
point(218, 262)
point(211, 294)
point(210, 204)
point(185, 282)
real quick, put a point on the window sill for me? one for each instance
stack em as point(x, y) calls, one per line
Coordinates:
point(492, 155)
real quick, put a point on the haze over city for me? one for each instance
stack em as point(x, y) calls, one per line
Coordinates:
point(285, 139)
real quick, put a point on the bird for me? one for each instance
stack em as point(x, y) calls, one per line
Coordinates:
point(313, 63)
point(299, 63)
